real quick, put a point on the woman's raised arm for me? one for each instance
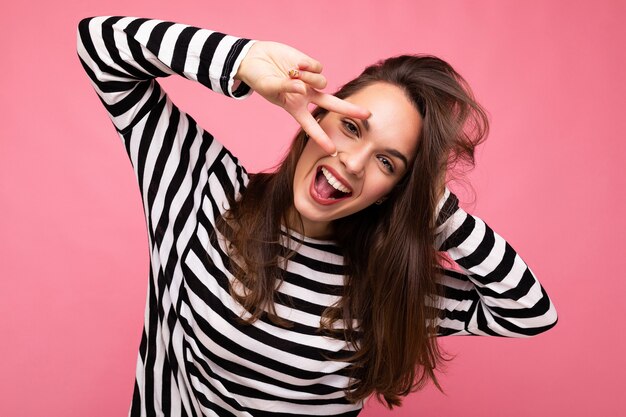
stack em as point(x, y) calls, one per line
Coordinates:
point(122, 56)
point(497, 294)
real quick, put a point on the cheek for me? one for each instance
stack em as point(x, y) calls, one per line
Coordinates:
point(380, 191)
point(338, 137)
point(311, 151)
point(310, 155)
point(378, 186)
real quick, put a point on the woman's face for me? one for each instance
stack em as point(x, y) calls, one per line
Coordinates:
point(372, 156)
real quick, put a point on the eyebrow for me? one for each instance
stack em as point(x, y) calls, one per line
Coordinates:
point(390, 151)
point(398, 155)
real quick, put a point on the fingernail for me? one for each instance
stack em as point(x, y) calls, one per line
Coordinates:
point(334, 154)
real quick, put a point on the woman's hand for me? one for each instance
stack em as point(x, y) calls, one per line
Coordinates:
point(265, 69)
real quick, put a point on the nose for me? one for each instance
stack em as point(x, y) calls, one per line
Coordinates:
point(355, 159)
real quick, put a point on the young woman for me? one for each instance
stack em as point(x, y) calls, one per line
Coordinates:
point(303, 291)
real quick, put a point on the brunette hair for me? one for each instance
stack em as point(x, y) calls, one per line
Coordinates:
point(392, 265)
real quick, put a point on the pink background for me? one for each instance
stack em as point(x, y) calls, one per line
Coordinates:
point(550, 179)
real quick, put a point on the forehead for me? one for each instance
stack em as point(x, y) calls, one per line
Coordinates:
point(394, 121)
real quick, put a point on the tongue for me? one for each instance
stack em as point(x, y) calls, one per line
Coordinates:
point(323, 188)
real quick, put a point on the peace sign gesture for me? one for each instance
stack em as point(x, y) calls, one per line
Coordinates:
point(290, 79)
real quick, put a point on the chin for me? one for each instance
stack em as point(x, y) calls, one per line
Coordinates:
point(310, 213)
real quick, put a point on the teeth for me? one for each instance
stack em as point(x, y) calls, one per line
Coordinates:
point(337, 185)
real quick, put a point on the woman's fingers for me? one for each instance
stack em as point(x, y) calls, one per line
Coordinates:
point(314, 130)
point(293, 86)
point(337, 105)
point(300, 112)
point(315, 80)
point(311, 65)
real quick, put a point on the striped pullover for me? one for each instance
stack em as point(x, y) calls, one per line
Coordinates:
point(195, 358)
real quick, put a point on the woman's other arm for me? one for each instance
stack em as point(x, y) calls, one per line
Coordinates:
point(496, 294)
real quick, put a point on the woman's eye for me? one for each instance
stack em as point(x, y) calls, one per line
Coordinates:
point(351, 127)
point(386, 163)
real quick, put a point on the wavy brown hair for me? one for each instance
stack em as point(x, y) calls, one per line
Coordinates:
point(392, 265)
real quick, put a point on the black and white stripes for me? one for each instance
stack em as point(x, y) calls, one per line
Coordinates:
point(195, 358)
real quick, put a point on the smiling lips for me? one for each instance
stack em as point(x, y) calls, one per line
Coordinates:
point(327, 188)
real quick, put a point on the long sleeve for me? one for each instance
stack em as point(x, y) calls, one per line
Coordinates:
point(173, 158)
point(123, 55)
point(496, 293)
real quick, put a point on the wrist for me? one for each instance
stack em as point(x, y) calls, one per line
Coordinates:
point(244, 64)
point(238, 86)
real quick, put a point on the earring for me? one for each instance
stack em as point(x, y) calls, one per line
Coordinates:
point(379, 202)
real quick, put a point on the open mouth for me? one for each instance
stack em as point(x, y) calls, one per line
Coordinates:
point(327, 188)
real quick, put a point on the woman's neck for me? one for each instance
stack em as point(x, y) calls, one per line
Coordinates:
point(309, 228)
